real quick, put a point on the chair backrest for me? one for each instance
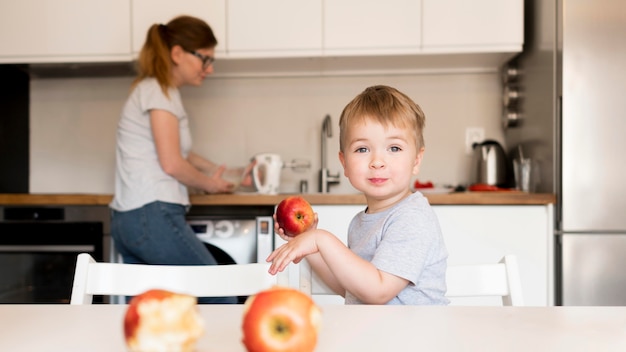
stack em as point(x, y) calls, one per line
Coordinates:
point(497, 279)
point(475, 280)
point(96, 278)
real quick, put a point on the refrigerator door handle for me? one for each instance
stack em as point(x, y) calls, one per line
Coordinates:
point(558, 214)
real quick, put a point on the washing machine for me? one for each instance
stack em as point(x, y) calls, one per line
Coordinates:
point(236, 240)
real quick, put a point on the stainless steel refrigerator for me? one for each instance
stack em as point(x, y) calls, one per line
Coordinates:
point(573, 79)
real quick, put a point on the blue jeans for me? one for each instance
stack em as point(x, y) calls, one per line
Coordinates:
point(157, 233)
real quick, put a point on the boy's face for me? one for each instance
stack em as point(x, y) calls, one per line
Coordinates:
point(380, 161)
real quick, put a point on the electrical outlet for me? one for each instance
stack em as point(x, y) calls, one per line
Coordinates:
point(473, 135)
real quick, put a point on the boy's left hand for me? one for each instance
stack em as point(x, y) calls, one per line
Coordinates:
point(293, 251)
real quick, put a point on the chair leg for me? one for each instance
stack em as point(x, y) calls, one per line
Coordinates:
point(79, 288)
point(515, 297)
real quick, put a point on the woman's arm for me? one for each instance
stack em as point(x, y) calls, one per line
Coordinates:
point(202, 164)
point(208, 167)
point(167, 141)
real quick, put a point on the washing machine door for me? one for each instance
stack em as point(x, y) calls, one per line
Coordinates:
point(222, 257)
point(231, 241)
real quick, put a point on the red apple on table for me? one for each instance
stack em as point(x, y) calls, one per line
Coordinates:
point(294, 215)
point(280, 319)
point(160, 320)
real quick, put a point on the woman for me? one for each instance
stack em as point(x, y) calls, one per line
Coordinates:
point(155, 164)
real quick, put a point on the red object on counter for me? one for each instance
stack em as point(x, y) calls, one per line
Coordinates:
point(426, 184)
point(483, 187)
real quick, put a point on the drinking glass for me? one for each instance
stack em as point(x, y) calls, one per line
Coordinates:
point(523, 169)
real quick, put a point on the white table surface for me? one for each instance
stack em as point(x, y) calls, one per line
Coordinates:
point(344, 328)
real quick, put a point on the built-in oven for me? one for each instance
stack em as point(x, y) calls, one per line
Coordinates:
point(38, 250)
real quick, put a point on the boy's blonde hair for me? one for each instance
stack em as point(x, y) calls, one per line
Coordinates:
point(387, 106)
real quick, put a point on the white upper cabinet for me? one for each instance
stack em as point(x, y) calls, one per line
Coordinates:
point(64, 31)
point(145, 13)
point(473, 26)
point(270, 28)
point(372, 26)
point(298, 36)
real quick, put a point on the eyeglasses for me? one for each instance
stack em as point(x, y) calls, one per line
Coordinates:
point(206, 60)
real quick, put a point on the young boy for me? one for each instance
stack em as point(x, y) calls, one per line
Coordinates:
point(395, 253)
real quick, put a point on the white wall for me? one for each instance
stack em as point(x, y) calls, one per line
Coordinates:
point(73, 124)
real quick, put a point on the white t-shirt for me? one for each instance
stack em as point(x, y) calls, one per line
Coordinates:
point(406, 241)
point(139, 178)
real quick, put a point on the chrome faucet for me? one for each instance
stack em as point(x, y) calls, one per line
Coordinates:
point(326, 179)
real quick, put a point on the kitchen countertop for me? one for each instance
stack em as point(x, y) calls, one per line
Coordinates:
point(460, 198)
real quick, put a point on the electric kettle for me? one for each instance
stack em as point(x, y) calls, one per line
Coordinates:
point(489, 164)
point(266, 173)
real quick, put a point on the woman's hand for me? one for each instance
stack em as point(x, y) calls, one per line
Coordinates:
point(247, 175)
point(218, 184)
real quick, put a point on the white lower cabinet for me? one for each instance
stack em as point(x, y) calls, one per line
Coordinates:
point(473, 234)
point(485, 233)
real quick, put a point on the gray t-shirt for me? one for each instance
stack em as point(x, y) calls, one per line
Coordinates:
point(404, 241)
point(139, 178)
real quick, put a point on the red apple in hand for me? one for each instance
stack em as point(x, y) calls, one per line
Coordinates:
point(160, 320)
point(294, 215)
point(280, 319)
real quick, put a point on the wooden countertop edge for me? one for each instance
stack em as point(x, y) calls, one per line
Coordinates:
point(55, 199)
point(462, 198)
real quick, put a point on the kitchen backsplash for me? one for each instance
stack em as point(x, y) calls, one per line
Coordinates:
point(73, 123)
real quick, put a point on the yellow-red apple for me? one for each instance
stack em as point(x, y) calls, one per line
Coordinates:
point(280, 319)
point(294, 215)
point(160, 320)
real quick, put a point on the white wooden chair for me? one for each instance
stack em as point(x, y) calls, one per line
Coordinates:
point(497, 279)
point(475, 280)
point(311, 284)
point(97, 278)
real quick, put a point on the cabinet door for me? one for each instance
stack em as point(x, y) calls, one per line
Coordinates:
point(335, 219)
point(484, 234)
point(473, 24)
point(274, 28)
point(372, 26)
point(148, 12)
point(64, 30)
